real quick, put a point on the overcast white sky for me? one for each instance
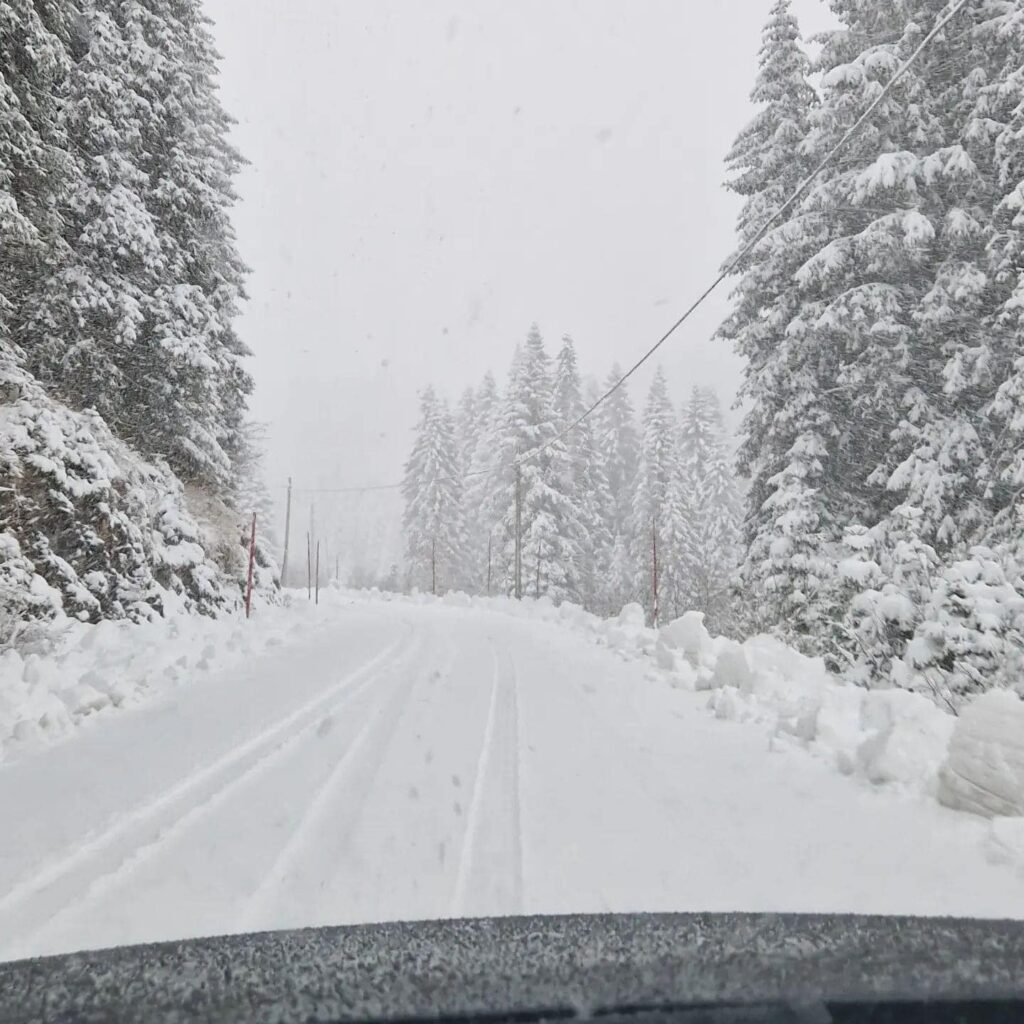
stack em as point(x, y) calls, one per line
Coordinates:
point(429, 176)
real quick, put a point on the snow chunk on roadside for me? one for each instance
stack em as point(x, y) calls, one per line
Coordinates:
point(984, 772)
point(687, 634)
point(908, 741)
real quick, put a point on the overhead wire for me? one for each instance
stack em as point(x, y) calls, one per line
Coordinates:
point(727, 270)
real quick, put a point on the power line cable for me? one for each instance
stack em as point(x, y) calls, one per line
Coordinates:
point(940, 24)
point(765, 228)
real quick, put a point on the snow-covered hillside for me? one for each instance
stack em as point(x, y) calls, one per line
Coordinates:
point(90, 530)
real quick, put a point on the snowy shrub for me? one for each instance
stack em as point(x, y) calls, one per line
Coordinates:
point(887, 576)
point(946, 630)
point(971, 637)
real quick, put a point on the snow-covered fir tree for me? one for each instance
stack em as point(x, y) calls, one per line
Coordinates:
point(589, 492)
point(135, 318)
point(710, 548)
point(482, 533)
point(526, 425)
point(658, 520)
point(35, 58)
point(617, 442)
point(781, 429)
point(883, 374)
point(432, 488)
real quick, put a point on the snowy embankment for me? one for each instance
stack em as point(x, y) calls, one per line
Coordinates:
point(893, 737)
point(86, 670)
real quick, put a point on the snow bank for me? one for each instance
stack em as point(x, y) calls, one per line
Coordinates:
point(984, 772)
point(92, 668)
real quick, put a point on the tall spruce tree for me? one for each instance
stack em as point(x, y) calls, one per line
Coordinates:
point(135, 318)
point(617, 442)
point(432, 488)
point(710, 548)
point(781, 431)
point(589, 493)
point(657, 514)
point(482, 531)
point(35, 41)
point(527, 424)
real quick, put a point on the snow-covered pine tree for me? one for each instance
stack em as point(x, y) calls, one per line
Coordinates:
point(82, 322)
point(902, 297)
point(432, 488)
point(252, 495)
point(998, 121)
point(589, 492)
point(780, 436)
point(192, 366)
point(710, 549)
point(466, 427)
point(617, 441)
point(527, 422)
point(482, 531)
point(658, 511)
point(34, 60)
point(136, 318)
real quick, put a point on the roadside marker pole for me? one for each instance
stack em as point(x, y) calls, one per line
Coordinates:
point(252, 562)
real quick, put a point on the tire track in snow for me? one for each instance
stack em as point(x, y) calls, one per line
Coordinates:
point(383, 721)
point(473, 820)
point(348, 812)
point(490, 873)
point(515, 751)
point(256, 754)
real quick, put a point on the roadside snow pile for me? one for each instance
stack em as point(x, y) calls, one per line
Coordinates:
point(985, 769)
point(96, 667)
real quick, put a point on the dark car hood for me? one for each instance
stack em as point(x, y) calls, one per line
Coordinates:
point(512, 965)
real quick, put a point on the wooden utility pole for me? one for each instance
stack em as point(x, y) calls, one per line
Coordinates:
point(518, 570)
point(433, 566)
point(318, 572)
point(654, 573)
point(252, 563)
point(309, 566)
point(287, 535)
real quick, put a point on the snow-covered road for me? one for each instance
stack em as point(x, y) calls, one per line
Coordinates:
point(419, 761)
